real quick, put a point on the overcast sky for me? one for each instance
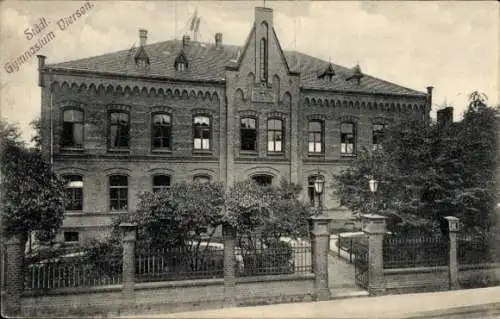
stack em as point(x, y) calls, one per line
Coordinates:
point(452, 46)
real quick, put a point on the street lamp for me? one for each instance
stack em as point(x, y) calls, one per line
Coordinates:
point(373, 183)
point(319, 184)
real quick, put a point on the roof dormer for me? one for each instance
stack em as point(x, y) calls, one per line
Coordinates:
point(181, 62)
point(356, 74)
point(141, 57)
point(328, 73)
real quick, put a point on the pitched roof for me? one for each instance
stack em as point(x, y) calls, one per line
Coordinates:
point(208, 63)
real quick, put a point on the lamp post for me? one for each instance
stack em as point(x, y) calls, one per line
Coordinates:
point(373, 183)
point(319, 184)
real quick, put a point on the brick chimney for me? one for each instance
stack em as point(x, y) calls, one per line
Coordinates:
point(218, 40)
point(41, 65)
point(143, 37)
point(445, 116)
point(185, 40)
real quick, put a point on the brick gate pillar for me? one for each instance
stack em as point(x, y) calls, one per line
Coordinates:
point(229, 235)
point(453, 229)
point(375, 227)
point(320, 248)
point(128, 271)
point(15, 276)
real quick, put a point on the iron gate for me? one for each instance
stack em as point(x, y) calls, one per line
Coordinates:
point(361, 263)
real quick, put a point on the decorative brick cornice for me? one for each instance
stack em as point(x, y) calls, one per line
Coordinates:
point(278, 115)
point(348, 118)
point(117, 171)
point(118, 107)
point(113, 87)
point(249, 113)
point(199, 111)
point(320, 117)
point(161, 109)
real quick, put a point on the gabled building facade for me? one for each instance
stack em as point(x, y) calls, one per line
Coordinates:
point(139, 120)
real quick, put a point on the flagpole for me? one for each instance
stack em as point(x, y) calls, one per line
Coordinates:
point(175, 18)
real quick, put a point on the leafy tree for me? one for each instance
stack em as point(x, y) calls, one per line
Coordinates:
point(33, 198)
point(427, 172)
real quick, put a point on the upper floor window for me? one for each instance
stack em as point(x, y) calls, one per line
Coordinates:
point(378, 136)
point(347, 138)
point(161, 131)
point(201, 127)
point(72, 130)
point(118, 192)
point(161, 183)
point(248, 133)
point(201, 179)
point(263, 60)
point(275, 135)
point(119, 130)
point(315, 136)
point(74, 192)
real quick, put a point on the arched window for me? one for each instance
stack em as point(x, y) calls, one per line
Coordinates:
point(248, 134)
point(378, 136)
point(315, 136)
point(118, 192)
point(161, 131)
point(74, 192)
point(275, 136)
point(201, 133)
point(347, 138)
point(161, 183)
point(72, 130)
point(202, 179)
point(263, 179)
point(263, 60)
point(119, 127)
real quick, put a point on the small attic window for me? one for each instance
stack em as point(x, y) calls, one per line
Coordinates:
point(141, 58)
point(327, 74)
point(181, 67)
point(181, 62)
point(357, 74)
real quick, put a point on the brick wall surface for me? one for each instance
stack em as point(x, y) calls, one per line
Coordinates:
point(411, 281)
point(167, 298)
point(242, 94)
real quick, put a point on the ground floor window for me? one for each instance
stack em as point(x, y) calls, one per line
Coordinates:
point(263, 179)
point(71, 236)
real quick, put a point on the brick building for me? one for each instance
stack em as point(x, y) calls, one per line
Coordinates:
point(135, 120)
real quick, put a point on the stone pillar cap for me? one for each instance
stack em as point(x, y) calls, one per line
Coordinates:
point(451, 218)
point(127, 225)
point(320, 218)
point(373, 216)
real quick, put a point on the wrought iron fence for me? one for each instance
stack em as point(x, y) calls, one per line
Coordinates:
point(359, 248)
point(476, 249)
point(348, 243)
point(258, 256)
point(414, 251)
point(181, 263)
point(70, 273)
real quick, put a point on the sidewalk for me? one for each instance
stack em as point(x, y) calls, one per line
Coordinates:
point(471, 303)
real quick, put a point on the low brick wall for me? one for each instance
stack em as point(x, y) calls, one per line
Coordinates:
point(480, 275)
point(274, 289)
point(412, 280)
point(165, 297)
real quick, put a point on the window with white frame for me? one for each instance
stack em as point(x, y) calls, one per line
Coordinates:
point(201, 133)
